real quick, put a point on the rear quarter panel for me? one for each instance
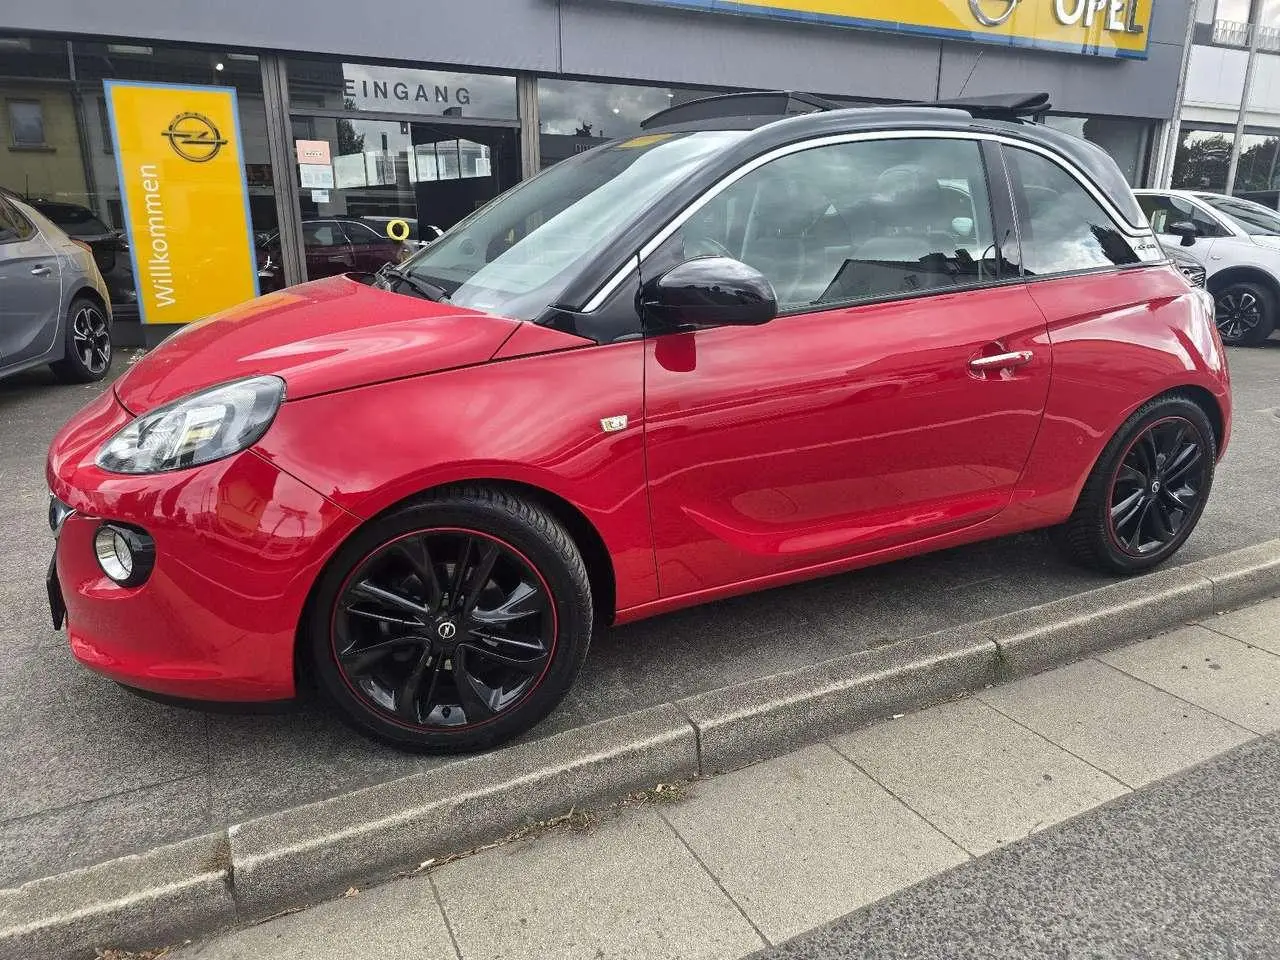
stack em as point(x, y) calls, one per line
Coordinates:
point(1119, 339)
point(533, 420)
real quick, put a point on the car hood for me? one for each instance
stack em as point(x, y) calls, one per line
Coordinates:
point(323, 336)
point(1271, 243)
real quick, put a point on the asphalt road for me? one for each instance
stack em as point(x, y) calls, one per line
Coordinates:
point(88, 771)
point(1188, 869)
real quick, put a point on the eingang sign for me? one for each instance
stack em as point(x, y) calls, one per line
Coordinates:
point(186, 204)
point(1104, 28)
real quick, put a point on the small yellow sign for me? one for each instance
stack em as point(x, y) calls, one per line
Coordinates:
point(186, 204)
point(1104, 28)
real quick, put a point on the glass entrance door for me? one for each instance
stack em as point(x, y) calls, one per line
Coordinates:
point(372, 190)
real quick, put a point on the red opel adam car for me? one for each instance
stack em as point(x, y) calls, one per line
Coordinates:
point(765, 340)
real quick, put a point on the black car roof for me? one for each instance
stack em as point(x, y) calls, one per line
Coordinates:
point(778, 118)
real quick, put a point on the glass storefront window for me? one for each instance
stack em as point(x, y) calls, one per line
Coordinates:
point(367, 87)
point(388, 186)
point(1258, 169)
point(575, 116)
point(55, 136)
point(1203, 160)
point(1127, 141)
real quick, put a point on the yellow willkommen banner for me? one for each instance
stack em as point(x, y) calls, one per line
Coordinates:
point(186, 203)
point(1105, 28)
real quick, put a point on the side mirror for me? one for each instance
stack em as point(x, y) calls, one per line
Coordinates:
point(709, 292)
point(1185, 229)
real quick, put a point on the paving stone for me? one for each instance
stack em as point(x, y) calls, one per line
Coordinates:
point(807, 837)
point(1224, 676)
point(1131, 730)
point(397, 921)
point(977, 776)
point(1257, 625)
point(627, 889)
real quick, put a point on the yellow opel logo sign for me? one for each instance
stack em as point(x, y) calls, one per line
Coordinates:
point(989, 12)
point(194, 137)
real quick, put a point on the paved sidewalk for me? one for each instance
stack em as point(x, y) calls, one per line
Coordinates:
point(757, 856)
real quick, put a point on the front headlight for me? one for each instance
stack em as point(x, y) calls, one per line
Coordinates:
point(198, 429)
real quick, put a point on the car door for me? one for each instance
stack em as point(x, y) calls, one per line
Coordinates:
point(30, 289)
point(326, 247)
point(873, 411)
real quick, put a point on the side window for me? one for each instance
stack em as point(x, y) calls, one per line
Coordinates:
point(13, 225)
point(1163, 210)
point(854, 221)
point(322, 233)
point(1063, 228)
point(363, 236)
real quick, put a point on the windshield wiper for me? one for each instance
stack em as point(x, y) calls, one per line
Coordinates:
point(423, 288)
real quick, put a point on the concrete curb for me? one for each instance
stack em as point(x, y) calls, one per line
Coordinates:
point(284, 858)
point(304, 854)
point(159, 897)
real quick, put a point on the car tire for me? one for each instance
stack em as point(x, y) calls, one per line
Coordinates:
point(1147, 491)
point(1245, 313)
point(506, 580)
point(87, 343)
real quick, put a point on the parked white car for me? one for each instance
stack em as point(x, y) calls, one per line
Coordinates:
point(1238, 243)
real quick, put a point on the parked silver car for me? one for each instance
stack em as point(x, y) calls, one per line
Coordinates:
point(53, 302)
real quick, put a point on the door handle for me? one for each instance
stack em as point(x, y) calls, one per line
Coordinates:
point(1001, 361)
point(40, 271)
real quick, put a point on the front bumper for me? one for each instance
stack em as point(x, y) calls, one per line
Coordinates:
point(238, 546)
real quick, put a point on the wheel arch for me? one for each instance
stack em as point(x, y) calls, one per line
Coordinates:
point(1219, 281)
point(595, 554)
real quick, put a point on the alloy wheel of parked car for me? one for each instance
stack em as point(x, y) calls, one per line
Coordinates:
point(1147, 491)
point(460, 625)
point(88, 344)
point(1245, 314)
point(1159, 484)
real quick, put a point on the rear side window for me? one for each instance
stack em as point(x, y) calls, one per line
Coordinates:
point(13, 225)
point(854, 221)
point(1063, 229)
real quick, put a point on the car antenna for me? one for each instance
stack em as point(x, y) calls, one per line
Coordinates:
point(972, 71)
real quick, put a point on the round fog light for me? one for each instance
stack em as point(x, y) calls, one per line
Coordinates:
point(126, 556)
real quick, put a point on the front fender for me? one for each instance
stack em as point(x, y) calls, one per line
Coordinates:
point(532, 420)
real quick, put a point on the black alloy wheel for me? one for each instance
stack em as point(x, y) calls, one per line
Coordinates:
point(1245, 314)
point(453, 623)
point(1161, 482)
point(444, 629)
point(87, 355)
point(1146, 491)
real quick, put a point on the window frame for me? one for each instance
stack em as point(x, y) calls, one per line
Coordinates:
point(1121, 225)
point(999, 184)
point(14, 143)
point(21, 219)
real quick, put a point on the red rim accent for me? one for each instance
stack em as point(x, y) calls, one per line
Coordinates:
point(555, 627)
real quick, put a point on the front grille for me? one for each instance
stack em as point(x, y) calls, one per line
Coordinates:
point(1195, 275)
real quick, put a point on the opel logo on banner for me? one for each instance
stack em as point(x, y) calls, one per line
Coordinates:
point(194, 137)
point(982, 11)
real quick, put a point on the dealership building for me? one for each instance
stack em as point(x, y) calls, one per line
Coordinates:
point(357, 126)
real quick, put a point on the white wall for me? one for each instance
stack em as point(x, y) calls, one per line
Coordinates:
point(1215, 81)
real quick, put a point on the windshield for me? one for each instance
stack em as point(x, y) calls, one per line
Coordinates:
point(75, 221)
point(1253, 218)
point(516, 255)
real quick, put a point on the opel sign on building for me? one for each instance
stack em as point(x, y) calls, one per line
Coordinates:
point(1103, 28)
